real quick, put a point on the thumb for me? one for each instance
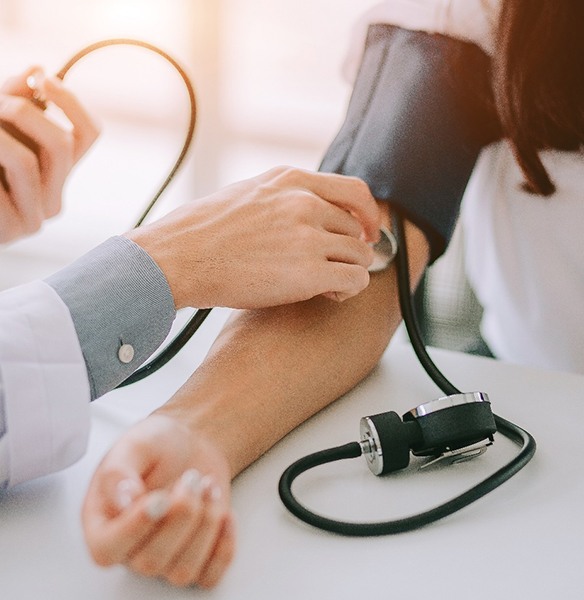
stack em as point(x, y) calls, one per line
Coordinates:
point(115, 488)
point(119, 480)
point(124, 492)
point(112, 490)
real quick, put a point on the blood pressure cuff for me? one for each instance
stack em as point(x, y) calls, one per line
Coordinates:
point(419, 114)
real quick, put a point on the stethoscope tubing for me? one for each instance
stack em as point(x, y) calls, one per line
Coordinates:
point(199, 316)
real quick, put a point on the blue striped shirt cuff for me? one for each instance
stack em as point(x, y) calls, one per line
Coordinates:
point(117, 296)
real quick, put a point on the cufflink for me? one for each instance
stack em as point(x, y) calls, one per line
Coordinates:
point(126, 353)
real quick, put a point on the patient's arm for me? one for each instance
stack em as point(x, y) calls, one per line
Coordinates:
point(271, 369)
point(268, 371)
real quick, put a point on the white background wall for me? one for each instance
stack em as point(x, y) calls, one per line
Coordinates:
point(267, 75)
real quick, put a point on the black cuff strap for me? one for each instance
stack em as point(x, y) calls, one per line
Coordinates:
point(417, 120)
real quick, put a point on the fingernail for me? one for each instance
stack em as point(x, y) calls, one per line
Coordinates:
point(209, 489)
point(340, 296)
point(35, 81)
point(191, 481)
point(158, 505)
point(334, 296)
point(127, 491)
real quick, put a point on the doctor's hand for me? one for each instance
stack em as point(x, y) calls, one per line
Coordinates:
point(36, 154)
point(159, 504)
point(282, 237)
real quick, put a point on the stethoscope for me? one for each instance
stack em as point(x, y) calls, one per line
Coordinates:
point(459, 425)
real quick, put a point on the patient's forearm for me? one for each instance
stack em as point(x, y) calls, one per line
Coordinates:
point(271, 369)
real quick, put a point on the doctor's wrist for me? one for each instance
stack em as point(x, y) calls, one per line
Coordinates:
point(166, 255)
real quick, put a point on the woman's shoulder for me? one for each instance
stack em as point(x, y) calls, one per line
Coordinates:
point(468, 20)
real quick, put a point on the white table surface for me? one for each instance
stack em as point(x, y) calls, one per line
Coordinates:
point(523, 540)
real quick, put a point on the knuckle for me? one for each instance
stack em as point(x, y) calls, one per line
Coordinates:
point(303, 206)
point(210, 581)
point(33, 223)
point(180, 577)
point(357, 280)
point(360, 185)
point(360, 247)
point(26, 160)
point(277, 171)
point(355, 276)
point(54, 208)
point(109, 472)
point(184, 509)
point(305, 236)
point(14, 108)
point(288, 175)
point(148, 566)
point(101, 556)
point(61, 147)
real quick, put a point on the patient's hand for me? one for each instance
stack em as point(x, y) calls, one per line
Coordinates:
point(159, 504)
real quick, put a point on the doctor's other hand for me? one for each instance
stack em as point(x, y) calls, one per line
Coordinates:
point(159, 504)
point(282, 237)
point(36, 154)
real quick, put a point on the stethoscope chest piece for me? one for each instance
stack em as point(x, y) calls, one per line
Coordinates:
point(459, 426)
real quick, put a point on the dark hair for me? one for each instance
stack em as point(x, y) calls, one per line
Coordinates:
point(538, 79)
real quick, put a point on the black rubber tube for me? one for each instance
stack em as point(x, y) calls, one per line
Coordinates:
point(199, 316)
point(353, 449)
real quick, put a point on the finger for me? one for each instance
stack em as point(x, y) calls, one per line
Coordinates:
point(22, 178)
point(346, 249)
point(221, 556)
point(85, 130)
point(193, 556)
point(112, 540)
point(11, 226)
point(113, 491)
point(17, 85)
point(349, 193)
point(345, 281)
point(115, 504)
point(162, 547)
point(53, 145)
point(337, 220)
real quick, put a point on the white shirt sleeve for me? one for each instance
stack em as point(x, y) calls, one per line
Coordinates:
point(43, 385)
point(468, 20)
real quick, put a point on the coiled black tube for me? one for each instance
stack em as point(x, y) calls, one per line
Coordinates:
point(353, 449)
